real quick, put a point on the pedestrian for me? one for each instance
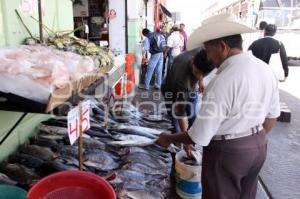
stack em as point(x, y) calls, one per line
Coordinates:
point(184, 35)
point(239, 106)
point(265, 47)
point(164, 32)
point(262, 26)
point(155, 44)
point(175, 44)
point(182, 86)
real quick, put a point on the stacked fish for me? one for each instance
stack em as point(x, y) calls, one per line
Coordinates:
point(124, 153)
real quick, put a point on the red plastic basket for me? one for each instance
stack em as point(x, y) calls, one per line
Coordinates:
point(72, 184)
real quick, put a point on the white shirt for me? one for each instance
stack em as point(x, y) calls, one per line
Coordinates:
point(176, 42)
point(242, 94)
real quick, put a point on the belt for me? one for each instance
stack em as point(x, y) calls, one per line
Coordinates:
point(252, 131)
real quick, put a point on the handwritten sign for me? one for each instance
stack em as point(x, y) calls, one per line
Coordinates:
point(73, 125)
point(74, 121)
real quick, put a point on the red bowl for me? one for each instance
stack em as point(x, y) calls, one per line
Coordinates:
point(72, 184)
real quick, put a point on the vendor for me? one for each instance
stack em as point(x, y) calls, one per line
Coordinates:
point(180, 88)
point(240, 105)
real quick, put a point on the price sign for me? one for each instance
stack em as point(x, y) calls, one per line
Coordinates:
point(73, 125)
point(74, 121)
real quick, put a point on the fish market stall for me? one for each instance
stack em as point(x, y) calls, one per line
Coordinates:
point(124, 153)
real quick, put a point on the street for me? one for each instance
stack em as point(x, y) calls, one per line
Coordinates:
point(281, 171)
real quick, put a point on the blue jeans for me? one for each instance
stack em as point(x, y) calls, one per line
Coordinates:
point(155, 64)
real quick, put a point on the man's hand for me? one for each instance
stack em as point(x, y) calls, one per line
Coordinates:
point(201, 86)
point(283, 79)
point(144, 61)
point(188, 149)
point(164, 139)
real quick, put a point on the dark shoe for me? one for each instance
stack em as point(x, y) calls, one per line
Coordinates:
point(156, 88)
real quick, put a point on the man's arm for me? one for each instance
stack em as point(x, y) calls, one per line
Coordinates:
point(284, 60)
point(167, 51)
point(269, 123)
point(146, 44)
point(181, 116)
point(165, 139)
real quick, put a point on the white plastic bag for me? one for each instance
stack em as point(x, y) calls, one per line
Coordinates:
point(276, 66)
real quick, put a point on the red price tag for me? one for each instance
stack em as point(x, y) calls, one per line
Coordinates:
point(73, 125)
point(74, 121)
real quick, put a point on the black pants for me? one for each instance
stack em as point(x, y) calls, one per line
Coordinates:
point(231, 167)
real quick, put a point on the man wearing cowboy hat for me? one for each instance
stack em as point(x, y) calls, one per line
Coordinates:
point(240, 105)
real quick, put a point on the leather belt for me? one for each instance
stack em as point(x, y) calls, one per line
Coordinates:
point(252, 131)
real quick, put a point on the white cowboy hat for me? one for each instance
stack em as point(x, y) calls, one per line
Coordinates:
point(215, 27)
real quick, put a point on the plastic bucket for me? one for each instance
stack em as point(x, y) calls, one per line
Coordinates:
point(72, 184)
point(188, 178)
point(12, 192)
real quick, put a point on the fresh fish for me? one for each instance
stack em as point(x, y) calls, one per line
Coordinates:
point(145, 159)
point(127, 179)
point(131, 140)
point(43, 153)
point(55, 122)
point(101, 160)
point(71, 161)
point(102, 112)
point(100, 133)
point(140, 194)
point(51, 137)
point(130, 178)
point(4, 179)
point(155, 118)
point(123, 114)
point(101, 119)
point(19, 173)
point(142, 168)
point(56, 165)
point(92, 143)
point(67, 150)
point(27, 160)
point(166, 157)
point(51, 143)
point(66, 139)
point(138, 130)
point(53, 129)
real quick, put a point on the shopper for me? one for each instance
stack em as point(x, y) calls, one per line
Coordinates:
point(240, 105)
point(175, 44)
point(265, 47)
point(155, 44)
point(182, 86)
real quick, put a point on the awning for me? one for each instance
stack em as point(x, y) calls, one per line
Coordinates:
point(166, 11)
